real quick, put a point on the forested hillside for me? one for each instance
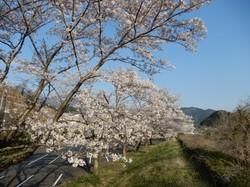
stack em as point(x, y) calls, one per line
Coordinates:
point(215, 119)
point(197, 114)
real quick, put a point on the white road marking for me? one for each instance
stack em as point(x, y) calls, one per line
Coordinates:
point(25, 181)
point(37, 159)
point(2, 177)
point(55, 183)
point(53, 160)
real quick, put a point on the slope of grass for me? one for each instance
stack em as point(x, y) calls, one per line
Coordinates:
point(219, 168)
point(158, 165)
point(14, 156)
point(11, 139)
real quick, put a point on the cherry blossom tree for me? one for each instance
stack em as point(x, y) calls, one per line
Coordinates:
point(131, 111)
point(117, 110)
point(81, 36)
point(165, 114)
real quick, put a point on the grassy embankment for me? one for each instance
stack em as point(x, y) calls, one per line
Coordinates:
point(157, 165)
point(13, 155)
point(14, 144)
point(216, 166)
point(168, 164)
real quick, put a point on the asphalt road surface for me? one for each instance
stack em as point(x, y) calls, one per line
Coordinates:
point(40, 170)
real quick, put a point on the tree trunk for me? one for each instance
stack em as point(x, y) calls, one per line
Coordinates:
point(90, 75)
point(67, 100)
point(69, 97)
point(138, 146)
point(150, 141)
point(88, 166)
point(6, 71)
point(124, 149)
point(96, 165)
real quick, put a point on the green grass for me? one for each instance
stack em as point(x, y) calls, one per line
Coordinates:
point(88, 180)
point(157, 165)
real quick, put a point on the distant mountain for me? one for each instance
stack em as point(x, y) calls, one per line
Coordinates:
point(215, 119)
point(197, 114)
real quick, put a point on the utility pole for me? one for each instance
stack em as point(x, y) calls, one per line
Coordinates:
point(2, 109)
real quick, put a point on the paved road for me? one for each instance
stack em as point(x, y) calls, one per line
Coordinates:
point(40, 170)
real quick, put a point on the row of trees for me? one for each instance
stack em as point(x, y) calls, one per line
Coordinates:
point(60, 46)
point(131, 112)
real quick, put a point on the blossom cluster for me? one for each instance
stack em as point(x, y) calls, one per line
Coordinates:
point(134, 110)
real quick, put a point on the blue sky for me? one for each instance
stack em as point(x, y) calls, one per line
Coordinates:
point(217, 76)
